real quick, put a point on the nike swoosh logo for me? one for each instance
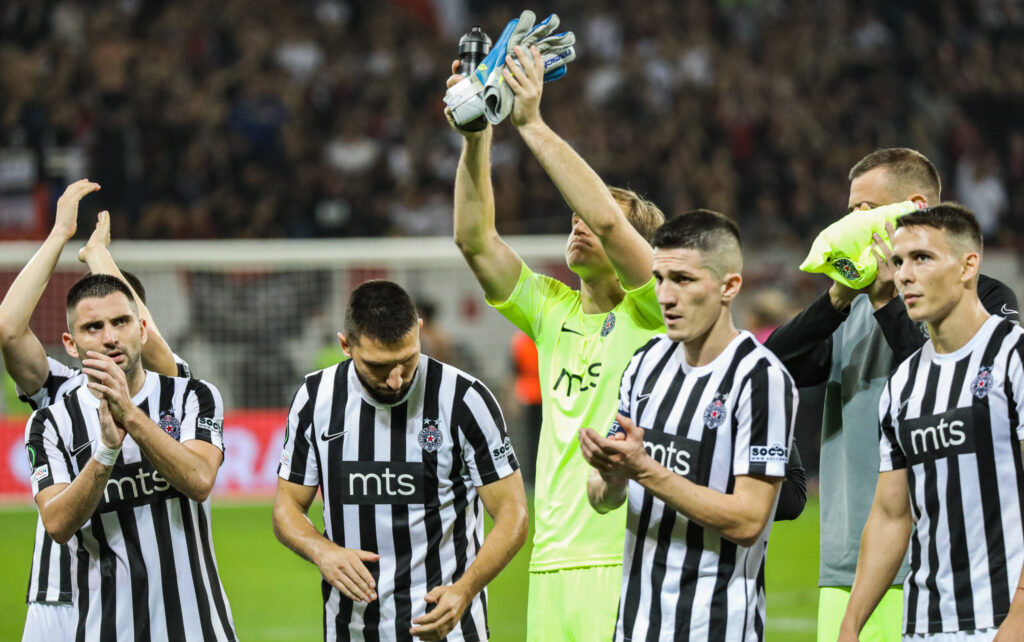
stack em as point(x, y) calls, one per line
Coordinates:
point(77, 451)
point(903, 404)
point(1005, 311)
point(331, 437)
point(640, 398)
point(565, 329)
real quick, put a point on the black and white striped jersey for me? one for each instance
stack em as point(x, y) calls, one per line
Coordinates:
point(709, 424)
point(144, 563)
point(50, 578)
point(400, 481)
point(953, 421)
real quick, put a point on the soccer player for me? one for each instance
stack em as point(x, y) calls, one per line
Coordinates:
point(699, 450)
point(404, 449)
point(853, 340)
point(42, 380)
point(584, 340)
point(123, 466)
point(951, 479)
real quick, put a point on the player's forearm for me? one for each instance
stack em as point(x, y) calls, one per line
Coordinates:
point(21, 299)
point(588, 196)
point(603, 495)
point(499, 547)
point(474, 195)
point(186, 470)
point(883, 545)
point(293, 528)
point(737, 518)
point(69, 510)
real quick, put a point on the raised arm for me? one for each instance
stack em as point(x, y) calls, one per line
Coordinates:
point(883, 546)
point(23, 354)
point(496, 266)
point(156, 354)
point(583, 190)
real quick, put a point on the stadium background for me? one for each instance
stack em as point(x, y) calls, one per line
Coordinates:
point(259, 159)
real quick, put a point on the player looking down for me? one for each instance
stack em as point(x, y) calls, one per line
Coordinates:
point(408, 452)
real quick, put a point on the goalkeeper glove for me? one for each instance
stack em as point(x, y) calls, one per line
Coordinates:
point(843, 250)
point(556, 51)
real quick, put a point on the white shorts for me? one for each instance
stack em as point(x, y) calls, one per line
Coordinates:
point(50, 623)
point(981, 635)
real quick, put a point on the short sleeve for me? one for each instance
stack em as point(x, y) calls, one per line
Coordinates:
point(184, 370)
point(487, 449)
point(765, 413)
point(891, 456)
point(533, 297)
point(626, 389)
point(58, 375)
point(644, 300)
point(204, 414)
point(298, 457)
point(46, 456)
point(1015, 384)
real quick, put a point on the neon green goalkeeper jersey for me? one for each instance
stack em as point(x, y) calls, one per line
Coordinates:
point(581, 358)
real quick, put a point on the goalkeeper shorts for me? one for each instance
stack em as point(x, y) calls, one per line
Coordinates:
point(573, 604)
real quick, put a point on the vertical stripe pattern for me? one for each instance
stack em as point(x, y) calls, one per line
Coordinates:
point(399, 480)
point(709, 424)
point(953, 422)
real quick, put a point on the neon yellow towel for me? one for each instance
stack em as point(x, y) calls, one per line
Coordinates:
point(843, 249)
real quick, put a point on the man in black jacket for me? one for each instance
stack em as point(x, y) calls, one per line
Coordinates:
point(851, 340)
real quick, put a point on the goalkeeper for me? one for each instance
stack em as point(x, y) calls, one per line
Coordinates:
point(584, 338)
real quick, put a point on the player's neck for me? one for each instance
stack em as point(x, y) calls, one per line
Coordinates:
point(957, 328)
point(600, 294)
point(705, 349)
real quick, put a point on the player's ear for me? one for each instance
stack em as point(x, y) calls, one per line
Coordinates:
point(971, 266)
point(69, 345)
point(421, 323)
point(919, 200)
point(346, 347)
point(143, 330)
point(731, 286)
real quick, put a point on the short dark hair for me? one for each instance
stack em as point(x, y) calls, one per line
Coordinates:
point(905, 167)
point(711, 233)
point(97, 286)
point(954, 219)
point(381, 310)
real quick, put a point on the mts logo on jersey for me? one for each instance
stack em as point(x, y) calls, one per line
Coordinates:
point(132, 485)
point(937, 436)
point(574, 383)
point(381, 482)
point(673, 452)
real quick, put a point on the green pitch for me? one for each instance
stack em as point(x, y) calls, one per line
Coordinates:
point(276, 596)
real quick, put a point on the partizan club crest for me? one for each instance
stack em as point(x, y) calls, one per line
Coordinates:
point(714, 414)
point(170, 424)
point(846, 268)
point(431, 436)
point(982, 383)
point(609, 324)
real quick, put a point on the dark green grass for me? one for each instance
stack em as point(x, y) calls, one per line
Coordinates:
point(275, 595)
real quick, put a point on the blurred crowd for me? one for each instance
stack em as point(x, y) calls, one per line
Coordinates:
point(323, 118)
